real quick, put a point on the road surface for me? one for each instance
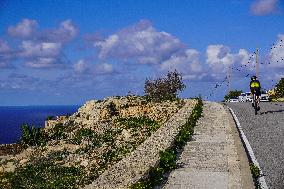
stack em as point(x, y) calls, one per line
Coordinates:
point(265, 133)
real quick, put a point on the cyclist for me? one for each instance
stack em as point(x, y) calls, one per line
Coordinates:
point(255, 89)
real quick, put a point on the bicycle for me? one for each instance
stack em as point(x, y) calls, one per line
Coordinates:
point(255, 103)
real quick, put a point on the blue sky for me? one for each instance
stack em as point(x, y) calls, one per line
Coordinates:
point(67, 52)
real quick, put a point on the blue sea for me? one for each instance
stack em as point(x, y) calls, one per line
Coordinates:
point(12, 117)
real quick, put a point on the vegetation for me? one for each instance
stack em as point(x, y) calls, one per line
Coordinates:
point(165, 88)
point(50, 118)
point(168, 157)
point(279, 90)
point(135, 123)
point(233, 94)
point(112, 109)
point(54, 171)
point(87, 134)
point(43, 174)
point(57, 132)
point(255, 171)
point(32, 136)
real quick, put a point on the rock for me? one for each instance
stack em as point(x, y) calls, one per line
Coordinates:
point(1, 170)
point(125, 134)
point(23, 161)
point(84, 163)
point(10, 167)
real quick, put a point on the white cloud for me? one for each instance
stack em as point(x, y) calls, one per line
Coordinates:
point(80, 67)
point(64, 33)
point(31, 49)
point(41, 62)
point(277, 53)
point(187, 63)
point(41, 54)
point(84, 68)
point(6, 55)
point(141, 43)
point(24, 29)
point(264, 7)
point(41, 48)
point(4, 47)
point(220, 59)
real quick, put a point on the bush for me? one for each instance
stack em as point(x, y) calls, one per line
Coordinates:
point(168, 159)
point(136, 123)
point(42, 174)
point(88, 134)
point(233, 94)
point(57, 132)
point(32, 136)
point(279, 90)
point(50, 118)
point(163, 89)
point(112, 109)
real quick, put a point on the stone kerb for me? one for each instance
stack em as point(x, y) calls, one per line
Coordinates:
point(136, 165)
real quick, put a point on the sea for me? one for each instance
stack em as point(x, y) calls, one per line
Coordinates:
point(12, 117)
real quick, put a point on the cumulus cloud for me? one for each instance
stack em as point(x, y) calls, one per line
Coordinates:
point(31, 49)
point(219, 58)
point(41, 54)
point(140, 42)
point(6, 55)
point(40, 48)
point(187, 63)
point(64, 33)
point(17, 81)
point(264, 7)
point(277, 53)
point(24, 29)
point(82, 67)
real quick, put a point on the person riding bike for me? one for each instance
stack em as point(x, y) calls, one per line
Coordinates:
point(255, 88)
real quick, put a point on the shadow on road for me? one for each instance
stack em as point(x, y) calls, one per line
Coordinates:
point(271, 112)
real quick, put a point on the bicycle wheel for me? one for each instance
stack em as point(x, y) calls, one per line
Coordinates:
point(255, 104)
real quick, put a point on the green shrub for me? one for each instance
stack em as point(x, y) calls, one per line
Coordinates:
point(112, 109)
point(88, 134)
point(279, 90)
point(182, 137)
point(57, 132)
point(156, 175)
point(168, 159)
point(142, 185)
point(32, 136)
point(58, 155)
point(163, 89)
point(233, 94)
point(255, 171)
point(42, 174)
point(137, 123)
point(50, 118)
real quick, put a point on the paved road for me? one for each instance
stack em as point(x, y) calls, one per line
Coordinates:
point(265, 133)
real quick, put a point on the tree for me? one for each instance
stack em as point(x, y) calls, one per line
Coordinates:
point(166, 88)
point(233, 94)
point(279, 90)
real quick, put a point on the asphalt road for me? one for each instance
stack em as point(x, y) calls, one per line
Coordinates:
point(265, 133)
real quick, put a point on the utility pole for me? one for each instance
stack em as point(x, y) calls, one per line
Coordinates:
point(256, 64)
point(229, 78)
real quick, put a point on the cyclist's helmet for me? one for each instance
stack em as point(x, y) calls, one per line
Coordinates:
point(253, 78)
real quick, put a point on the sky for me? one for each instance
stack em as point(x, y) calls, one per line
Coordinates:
point(61, 52)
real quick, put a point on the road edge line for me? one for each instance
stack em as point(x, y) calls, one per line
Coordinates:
point(249, 150)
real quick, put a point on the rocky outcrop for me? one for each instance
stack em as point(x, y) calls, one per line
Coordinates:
point(134, 166)
point(99, 135)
